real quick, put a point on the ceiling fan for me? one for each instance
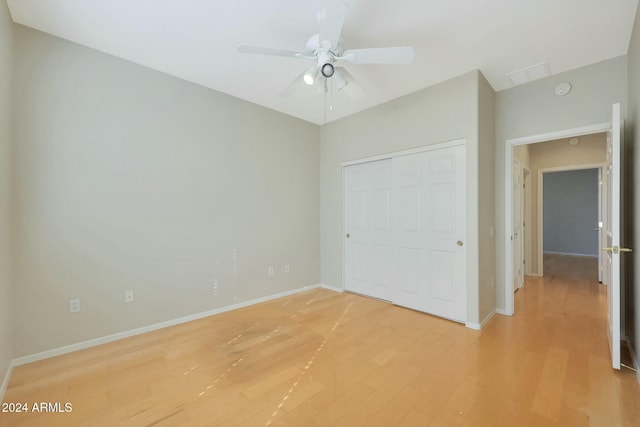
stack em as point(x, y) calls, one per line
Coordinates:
point(326, 49)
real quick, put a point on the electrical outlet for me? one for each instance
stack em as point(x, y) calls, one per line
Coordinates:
point(287, 269)
point(128, 296)
point(74, 305)
point(270, 271)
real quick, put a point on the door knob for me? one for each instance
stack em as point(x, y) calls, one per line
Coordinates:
point(617, 250)
point(348, 235)
point(460, 243)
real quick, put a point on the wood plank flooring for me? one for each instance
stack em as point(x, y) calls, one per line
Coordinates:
point(570, 266)
point(326, 359)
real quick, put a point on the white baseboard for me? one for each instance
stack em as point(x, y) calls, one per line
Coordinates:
point(126, 334)
point(5, 381)
point(331, 288)
point(502, 311)
point(482, 324)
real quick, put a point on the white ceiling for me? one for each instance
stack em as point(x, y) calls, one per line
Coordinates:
point(196, 40)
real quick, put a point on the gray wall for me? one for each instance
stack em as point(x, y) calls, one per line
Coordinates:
point(486, 197)
point(6, 65)
point(632, 321)
point(534, 109)
point(570, 212)
point(439, 113)
point(128, 178)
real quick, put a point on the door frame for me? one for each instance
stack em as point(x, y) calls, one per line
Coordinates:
point(526, 207)
point(540, 196)
point(518, 169)
point(508, 192)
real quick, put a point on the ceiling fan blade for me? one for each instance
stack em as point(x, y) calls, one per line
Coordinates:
point(382, 55)
point(352, 88)
point(292, 87)
point(273, 52)
point(330, 20)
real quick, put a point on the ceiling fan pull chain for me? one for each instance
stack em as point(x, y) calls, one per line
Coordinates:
point(325, 107)
point(331, 95)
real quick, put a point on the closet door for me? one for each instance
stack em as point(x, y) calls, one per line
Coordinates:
point(429, 233)
point(368, 236)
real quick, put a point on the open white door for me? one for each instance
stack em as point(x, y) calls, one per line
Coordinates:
point(614, 223)
point(517, 226)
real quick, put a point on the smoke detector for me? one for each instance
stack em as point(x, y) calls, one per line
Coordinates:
point(563, 89)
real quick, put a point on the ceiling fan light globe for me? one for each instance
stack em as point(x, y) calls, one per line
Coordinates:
point(309, 76)
point(340, 81)
point(327, 70)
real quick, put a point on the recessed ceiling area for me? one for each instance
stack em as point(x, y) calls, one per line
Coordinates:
point(196, 40)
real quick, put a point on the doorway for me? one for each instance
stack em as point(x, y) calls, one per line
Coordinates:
point(514, 151)
point(571, 221)
point(613, 224)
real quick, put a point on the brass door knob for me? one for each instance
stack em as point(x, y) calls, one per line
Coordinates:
point(617, 249)
point(460, 243)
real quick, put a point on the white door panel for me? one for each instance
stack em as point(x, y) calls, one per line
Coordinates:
point(408, 208)
point(405, 228)
point(614, 224)
point(409, 271)
point(517, 226)
point(369, 257)
point(381, 210)
point(441, 277)
point(433, 212)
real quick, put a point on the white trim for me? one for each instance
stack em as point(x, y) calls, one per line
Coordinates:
point(343, 221)
point(479, 326)
point(527, 207)
point(502, 312)
point(405, 152)
point(518, 170)
point(566, 133)
point(5, 381)
point(569, 168)
point(126, 334)
point(331, 288)
point(508, 156)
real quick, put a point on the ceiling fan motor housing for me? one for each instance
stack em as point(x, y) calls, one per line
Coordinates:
point(325, 56)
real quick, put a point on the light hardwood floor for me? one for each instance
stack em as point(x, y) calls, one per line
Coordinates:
point(570, 267)
point(321, 358)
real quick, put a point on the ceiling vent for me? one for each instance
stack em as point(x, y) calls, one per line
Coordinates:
point(529, 74)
